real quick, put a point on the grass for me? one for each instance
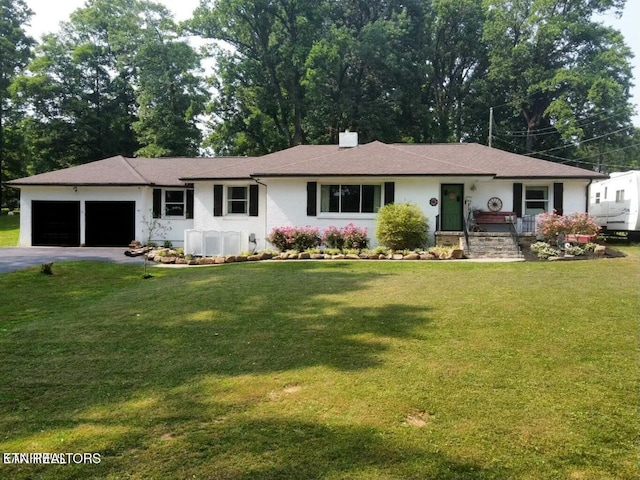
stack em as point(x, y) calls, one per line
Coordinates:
point(324, 370)
point(9, 230)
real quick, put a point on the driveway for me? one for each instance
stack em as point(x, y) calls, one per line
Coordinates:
point(15, 258)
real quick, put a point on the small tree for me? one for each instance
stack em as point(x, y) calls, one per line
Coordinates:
point(402, 226)
point(154, 228)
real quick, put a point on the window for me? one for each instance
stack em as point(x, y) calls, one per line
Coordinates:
point(174, 204)
point(350, 198)
point(237, 200)
point(597, 197)
point(536, 200)
point(619, 196)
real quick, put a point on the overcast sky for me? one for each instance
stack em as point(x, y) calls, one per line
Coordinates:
point(48, 13)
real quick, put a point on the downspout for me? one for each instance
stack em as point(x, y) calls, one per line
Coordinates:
point(266, 195)
point(586, 209)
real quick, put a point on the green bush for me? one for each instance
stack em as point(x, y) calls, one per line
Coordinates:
point(402, 226)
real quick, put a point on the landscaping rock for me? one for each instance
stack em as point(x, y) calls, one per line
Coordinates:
point(411, 256)
point(352, 256)
point(304, 256)
point(230, 259)
point(339, 256)
point(219, 260)
point(317, 256)
point(427, 256)
point(599, 251)
point(457, 254)
point(181, 261)
point(206, 261)
point(241, 258)
point(166, 259)
point(254, 258)
point(397, 256)
point(265, 256)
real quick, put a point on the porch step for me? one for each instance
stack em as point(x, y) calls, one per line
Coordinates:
point(492, 245)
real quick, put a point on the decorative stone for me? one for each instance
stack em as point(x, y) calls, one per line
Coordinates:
point(181, 261)
point(219, 260)
point(241, 258)
point(427, 256)
point(207, 261)
point(411, 256)
point(317, 256)
point(266, 255)
point(397, 256)
point(166, 259)
point(457, 254)
point(352, 256)
point(338, 257)
point(255, 258)
point(304, 256)
point(600, 250)
point(230, 259)
point(370, 256)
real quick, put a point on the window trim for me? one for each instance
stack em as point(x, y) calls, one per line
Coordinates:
point(328, 213)
point(228, 199)
point(546, 200)
point(165, 203)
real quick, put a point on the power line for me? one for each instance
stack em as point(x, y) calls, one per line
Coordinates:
point(581, 142)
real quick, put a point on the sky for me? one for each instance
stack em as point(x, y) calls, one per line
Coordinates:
point(49, 13)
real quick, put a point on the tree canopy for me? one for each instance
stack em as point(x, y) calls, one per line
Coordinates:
point(121, 77)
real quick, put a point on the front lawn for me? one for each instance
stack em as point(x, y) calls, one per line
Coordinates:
point(375, 369)
point(9, 230)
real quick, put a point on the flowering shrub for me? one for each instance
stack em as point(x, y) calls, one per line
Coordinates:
point(332, 238)
point(350, 237)
point(354, 237)
point(294, 238)
point(551, 224)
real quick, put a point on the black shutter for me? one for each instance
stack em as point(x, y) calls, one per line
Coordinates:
point(389, 192)
point(217, 200)
point(189, 209)
point(253, 200)
point(312, 199)
point(517, 199)
point(558, 197)
point(157, 202)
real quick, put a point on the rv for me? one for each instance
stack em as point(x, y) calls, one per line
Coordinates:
point(614, 203)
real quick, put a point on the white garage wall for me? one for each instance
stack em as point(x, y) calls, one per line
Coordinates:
point(143, 197)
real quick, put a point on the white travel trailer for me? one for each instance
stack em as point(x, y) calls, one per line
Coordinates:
point(614, 203)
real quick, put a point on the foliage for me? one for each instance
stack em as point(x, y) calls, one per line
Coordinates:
point(574, 250)
point(15, 53)
point(348, 237)
point(543, 250)
point(550, 224)
point(401, 226)
point(294, 238)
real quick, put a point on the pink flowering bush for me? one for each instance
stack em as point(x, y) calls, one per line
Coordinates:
point(550, 225)
point(294, 238)
point(354, 237)
point(332, 238)
point(349, 237)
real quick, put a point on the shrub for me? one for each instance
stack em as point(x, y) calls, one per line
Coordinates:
point(355, 238)
point(550, 225)
point(543, 250)
point(294, 238)
point(402, 226)
point(332, 238)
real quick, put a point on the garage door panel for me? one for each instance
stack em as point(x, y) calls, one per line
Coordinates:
point(55, 223)
point(109, 224)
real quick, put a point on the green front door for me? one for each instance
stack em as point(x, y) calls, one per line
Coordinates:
point(451, 207)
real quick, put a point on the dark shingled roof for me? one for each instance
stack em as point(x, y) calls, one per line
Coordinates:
point(371, 159)
point(380, 159)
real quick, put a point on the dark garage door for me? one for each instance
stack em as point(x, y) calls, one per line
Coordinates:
point(110, 224)
point(55, 223)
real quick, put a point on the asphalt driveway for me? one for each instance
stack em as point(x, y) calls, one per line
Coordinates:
point(15, 258)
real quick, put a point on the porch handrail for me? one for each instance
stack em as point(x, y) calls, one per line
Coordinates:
point(513, 230)
point(466, 216)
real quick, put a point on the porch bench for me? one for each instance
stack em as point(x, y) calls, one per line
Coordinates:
point(482, 217)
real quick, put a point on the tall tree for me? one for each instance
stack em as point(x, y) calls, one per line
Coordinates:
point(15, 52)
point(114, 80)
point(561, 76)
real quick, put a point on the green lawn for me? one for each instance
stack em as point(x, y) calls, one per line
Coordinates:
point(9, 230)
point(333, 370)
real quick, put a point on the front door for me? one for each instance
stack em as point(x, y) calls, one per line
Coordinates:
point(451, 207)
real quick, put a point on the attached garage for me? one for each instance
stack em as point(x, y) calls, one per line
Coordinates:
point(110, 224)
point(55, 223)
